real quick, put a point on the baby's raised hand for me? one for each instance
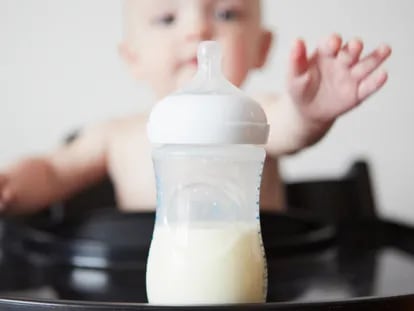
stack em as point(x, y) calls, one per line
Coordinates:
point(334, 79)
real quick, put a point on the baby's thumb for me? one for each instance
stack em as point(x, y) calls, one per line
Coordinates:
point(5, 194)
point(6, 197)
point(2, 201)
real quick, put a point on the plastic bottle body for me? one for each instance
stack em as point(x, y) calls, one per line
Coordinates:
point(207, 246)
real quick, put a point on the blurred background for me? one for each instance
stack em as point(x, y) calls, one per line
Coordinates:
point(60, 70)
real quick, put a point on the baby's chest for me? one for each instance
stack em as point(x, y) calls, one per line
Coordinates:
point(130, 167)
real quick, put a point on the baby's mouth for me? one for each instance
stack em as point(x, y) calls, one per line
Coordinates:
point(192, 62)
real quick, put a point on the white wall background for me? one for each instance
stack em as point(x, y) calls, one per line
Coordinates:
point(59, 70)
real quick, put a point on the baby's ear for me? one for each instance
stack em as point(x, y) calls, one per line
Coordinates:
point(264, 46)
point(130, 57)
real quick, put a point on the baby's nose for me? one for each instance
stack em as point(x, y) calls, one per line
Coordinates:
point(199, 29)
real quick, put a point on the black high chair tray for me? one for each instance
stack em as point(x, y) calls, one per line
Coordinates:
point(378, 304)
point(97, 261)
point(107, 238)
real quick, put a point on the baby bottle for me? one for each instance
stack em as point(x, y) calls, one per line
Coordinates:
point(207, 246)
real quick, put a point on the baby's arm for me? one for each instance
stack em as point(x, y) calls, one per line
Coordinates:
point(288, 133)
point(331, 81)
point(35, 182)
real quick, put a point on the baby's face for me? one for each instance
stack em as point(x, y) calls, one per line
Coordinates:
point(162, 37)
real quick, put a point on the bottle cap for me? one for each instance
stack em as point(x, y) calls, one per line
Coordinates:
point(209, 110)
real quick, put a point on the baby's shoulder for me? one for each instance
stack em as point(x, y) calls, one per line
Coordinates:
point(126, 129)
point(128, 123)
point(115, 129)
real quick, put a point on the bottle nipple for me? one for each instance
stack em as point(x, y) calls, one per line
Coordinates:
point(209, 60)
point(209, 78)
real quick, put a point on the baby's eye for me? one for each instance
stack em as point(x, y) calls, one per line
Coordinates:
point(166, 19)
point(227, 14)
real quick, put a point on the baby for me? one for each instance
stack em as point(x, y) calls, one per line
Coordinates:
point(159, 46)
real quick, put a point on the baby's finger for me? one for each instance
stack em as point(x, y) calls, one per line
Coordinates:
point(298, 60)
point(370, 63)
point(330, 46)
point(350, 53)
point(2, 183)
point(371, 84)
point(7, 197)
point(2, 200)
